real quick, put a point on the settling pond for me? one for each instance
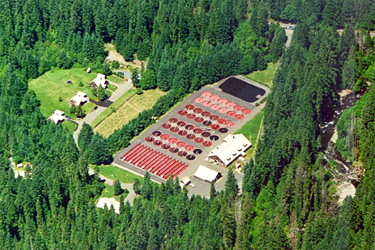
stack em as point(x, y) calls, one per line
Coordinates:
point(241, 89)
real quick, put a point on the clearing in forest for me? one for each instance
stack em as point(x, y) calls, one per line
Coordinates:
point(113, 173)
point(251, 131)
point(52, 86)
point(128, 109)
point(265, 76)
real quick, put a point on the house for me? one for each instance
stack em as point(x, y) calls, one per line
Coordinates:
point(79, 99)
point(232, 147)
point(100, 80)
point(206, 174)
point(57, 116)
point(109, 202)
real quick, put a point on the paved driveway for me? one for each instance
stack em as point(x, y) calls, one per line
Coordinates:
point(90, 117)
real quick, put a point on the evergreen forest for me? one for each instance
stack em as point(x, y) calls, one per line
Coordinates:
point(288, 196)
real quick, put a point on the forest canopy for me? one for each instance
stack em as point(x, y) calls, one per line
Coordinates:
point(288, 194)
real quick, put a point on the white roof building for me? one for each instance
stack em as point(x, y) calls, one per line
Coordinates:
point(19, 173)
point(232, 147)
point(206, 174)
point(79, 99)
point(100, 80)
point(184, 181)
point(109, 202)
point(57, 116)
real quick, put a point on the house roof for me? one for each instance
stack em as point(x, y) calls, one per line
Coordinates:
point(100, 80)
point(232, 147)
point(109, 202)
point(57, 116)
point(185, 180)
point(206, 174)
point(79, 98)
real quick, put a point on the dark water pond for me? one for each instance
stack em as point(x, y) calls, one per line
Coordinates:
point(241, 89)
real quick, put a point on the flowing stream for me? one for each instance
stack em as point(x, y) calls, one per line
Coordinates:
point(328, 128)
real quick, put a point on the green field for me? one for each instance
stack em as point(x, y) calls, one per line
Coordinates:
point(52, 85)
point(250, 130)
point(114, 173)
point(125, 109)
point(113, 107)
point(265, 76)
point(116, 79)
point(70, 126)
point(107, 191)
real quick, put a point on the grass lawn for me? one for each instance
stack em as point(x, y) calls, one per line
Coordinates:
point(52, 85)
point(266, 76)
point(108, 191)
point(250, 130)
point(126, 108)
point(111, 87)
point(115, 79)
point(71, 126)
point(114, 173)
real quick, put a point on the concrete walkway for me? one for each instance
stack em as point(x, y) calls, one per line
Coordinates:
point(128, 186)
point(90, 117)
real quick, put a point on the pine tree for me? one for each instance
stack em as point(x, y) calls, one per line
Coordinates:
point(101, 93)
point(228, 226)
point(117, 190)
point(148, 80)
point(85, 137)
point(80, 113)
point(146, 190)
point(73, 109)
point(212, 191)
point(137, 186)
point(135, 78)
point(231, 187)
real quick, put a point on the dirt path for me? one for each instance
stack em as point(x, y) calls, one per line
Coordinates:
point(113, 55)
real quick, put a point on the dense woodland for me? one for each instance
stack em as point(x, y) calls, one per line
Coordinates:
point(288, 196)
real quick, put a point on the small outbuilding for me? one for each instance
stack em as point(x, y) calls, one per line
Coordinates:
point(100, 80)
point(184, 181)
point(232, 147)
point(206, 174)
point(79, 99)
point(88, 70)
point(57, 116)
point(109, 202)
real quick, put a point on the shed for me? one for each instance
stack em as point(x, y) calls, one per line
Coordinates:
point(206, 174)
point(184, 181)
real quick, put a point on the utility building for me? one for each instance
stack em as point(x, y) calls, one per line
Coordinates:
point(232, 147)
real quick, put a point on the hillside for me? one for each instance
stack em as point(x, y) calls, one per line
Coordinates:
point(288, 197)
